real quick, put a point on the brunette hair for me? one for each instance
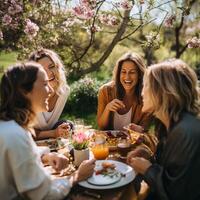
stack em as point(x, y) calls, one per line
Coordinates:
point(139, 62)
point(173, 88)
point(60, 76)
point(17, 81)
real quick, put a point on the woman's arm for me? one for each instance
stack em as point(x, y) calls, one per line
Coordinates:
point(61, 131)
point(102, 113)
point(45, 134)
point(105, 109)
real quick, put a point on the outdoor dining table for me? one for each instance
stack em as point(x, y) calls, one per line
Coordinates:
point(126, 192)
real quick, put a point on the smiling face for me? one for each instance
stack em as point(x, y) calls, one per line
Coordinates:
point(129, 75)
point(40, 93)
point(51, 70)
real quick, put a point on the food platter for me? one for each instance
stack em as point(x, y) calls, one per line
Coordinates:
point(112, 138)
point(125, 174)
point(53, 144)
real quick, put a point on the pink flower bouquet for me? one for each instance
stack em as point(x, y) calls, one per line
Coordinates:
point(80, 140)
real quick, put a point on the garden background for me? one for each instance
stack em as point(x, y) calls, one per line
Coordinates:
point(90, 35)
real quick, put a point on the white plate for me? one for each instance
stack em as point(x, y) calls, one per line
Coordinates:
point(120, 167)
point(102, 179)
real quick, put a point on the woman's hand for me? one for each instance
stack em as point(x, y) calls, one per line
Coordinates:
point(135, 127)
point(57, 161)
point(139, 151)
point(85, 170)
point(140, 165)
point(115, 105)
point(62, 130)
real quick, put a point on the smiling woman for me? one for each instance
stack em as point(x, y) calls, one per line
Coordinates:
point(119, 101)
point(24, 91)
point(47, 124)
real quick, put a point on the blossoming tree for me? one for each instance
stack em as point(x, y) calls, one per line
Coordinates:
point(85, 32)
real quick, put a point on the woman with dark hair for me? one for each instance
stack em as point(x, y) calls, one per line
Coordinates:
point(170, 91)
point(24, 91)
point(119, 101)
point(46, 123)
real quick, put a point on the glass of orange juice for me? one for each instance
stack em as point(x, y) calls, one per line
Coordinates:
point(100, 151)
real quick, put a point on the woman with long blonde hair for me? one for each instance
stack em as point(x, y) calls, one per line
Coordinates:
point(171, 92)
point(47, 124)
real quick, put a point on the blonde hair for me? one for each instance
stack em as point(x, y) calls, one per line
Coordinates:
point(173, 88)
point(60, 76)
point(139, 62)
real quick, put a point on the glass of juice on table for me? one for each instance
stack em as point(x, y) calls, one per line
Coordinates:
point(100, 151)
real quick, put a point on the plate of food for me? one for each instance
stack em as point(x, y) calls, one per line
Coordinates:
point(105, 174)
point(109, 174)
point(51, 143)
point(113, 137)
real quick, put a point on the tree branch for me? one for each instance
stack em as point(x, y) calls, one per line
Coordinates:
point(116, 39)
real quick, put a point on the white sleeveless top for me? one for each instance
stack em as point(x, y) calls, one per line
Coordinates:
point(46, 120)
point(122, 120)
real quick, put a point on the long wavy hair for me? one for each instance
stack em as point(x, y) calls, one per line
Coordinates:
point(173, 89)
point(139, 62)
point(17, 81)
point(60, 76)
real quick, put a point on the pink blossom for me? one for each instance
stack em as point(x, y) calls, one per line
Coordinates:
point(170, 21)
point(78, 10)
point(80, 140)
point(93, 29)
point(31, 28)
point(7, 19)
point(126, 4)
point(193, 42)
point(109, 20)
point(83, 12)
point(104, 19)
point(13, 2)
point(114, 21)
point(89, 3)
point(14, 9)
point(1, 35)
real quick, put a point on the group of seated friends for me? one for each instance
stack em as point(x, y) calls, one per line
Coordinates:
point(33, 94)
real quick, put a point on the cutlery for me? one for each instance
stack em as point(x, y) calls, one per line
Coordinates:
point(92, 194)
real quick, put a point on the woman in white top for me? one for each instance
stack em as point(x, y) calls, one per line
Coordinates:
point(46, 124)
point(24, 91)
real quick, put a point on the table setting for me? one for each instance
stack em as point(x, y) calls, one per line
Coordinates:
point(110, 149)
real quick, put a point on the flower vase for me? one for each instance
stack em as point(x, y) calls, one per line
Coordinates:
point(80, 156)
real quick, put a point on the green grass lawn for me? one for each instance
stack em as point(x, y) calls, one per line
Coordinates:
point(89, 119)
point(7, 59)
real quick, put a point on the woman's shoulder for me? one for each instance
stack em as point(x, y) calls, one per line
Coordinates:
point(108, 86)
point(11, 132)
point(188, 125)
point(10, 126)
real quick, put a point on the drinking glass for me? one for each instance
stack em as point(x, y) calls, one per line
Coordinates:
point(79, 124)
point(100, 151)
point(124, 146)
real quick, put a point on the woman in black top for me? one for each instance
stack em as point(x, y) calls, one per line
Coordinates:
point(170, 91)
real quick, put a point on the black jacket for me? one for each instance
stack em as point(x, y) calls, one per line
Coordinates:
point(176, 172)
